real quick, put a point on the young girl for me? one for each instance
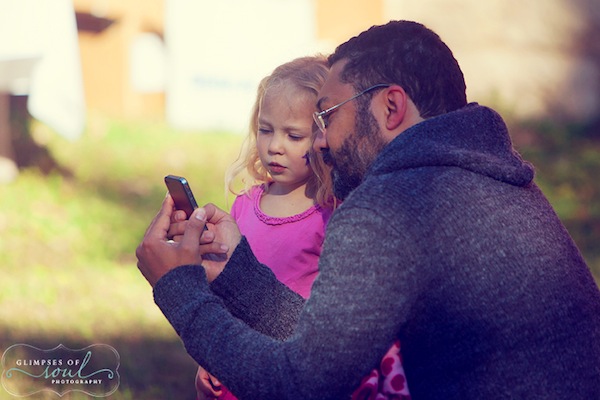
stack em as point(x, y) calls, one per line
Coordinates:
point(285, 206)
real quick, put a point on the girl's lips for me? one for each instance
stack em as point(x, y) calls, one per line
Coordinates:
point(276, 168)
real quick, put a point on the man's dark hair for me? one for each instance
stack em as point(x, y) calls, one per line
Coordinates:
point(408, 54)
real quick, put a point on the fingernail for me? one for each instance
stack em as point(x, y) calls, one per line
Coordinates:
point(201, 214)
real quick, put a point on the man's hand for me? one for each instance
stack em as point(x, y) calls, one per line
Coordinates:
point(157, 255)
point(226, 238)
point(216, 244)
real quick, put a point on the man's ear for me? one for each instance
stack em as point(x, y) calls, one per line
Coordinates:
point(396, 105)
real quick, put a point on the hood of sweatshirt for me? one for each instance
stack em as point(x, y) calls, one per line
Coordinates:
point(474, 138)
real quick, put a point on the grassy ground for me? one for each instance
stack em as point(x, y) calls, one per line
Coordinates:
point(68, 242)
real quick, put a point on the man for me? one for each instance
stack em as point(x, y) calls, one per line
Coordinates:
point(443, 242)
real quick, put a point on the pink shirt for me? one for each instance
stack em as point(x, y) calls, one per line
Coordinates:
point(290, 246)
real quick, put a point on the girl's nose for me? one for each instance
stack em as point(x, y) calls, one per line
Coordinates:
point(276, 144)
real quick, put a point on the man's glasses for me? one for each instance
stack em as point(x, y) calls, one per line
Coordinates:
point(320, 117)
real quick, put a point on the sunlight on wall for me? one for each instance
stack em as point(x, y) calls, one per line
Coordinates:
point(219, 51)
point(42, 38)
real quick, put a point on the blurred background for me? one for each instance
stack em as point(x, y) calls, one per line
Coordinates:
point(99, 99)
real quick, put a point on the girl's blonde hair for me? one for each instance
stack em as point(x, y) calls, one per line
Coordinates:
point(308, 74)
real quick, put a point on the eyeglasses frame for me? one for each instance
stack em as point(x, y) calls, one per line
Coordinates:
point(319, 116)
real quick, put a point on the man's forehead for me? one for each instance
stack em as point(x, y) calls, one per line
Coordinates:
point(333, 85)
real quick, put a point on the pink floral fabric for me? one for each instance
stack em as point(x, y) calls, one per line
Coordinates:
point(386, 382)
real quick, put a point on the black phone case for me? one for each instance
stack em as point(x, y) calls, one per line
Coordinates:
point(181, 193)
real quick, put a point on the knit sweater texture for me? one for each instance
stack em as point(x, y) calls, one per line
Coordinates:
point(449, 246)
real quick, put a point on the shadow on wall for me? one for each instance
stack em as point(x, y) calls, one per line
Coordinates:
point(584, 81)
point(587, 46)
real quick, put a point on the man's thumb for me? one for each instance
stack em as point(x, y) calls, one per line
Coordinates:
point(194, 227)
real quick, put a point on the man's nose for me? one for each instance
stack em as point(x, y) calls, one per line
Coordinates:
point(320, 142)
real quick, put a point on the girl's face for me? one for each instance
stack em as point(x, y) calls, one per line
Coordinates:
point(284, 134)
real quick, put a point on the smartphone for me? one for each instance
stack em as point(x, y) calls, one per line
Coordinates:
point(181, 193)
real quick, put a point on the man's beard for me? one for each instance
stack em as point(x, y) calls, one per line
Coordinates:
point(351, 162)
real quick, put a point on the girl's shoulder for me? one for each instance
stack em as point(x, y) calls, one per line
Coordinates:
point(251, 193)
point(247, 197)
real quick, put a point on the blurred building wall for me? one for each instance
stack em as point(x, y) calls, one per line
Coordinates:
point(108, 33)
point(40, 76)
point(527, 57)
point(339, 20)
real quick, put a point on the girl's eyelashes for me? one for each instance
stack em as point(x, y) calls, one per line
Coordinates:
point(298, 134)
point(295, 137)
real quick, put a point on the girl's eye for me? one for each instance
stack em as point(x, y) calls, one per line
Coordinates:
point(296, 138)
point(264, 131)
